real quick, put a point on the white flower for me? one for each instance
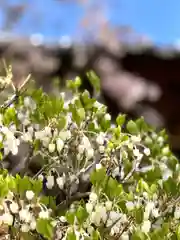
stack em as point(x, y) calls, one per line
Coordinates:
point(89, 153)
point(98, 166)
point(130, 205)
point(30, 130)
point(41, 177)
point(44, 214)
point(25, 228)
point(14, 207)
point(100, 139)
point(7, 218)
point(65, 135)
point(60, 144)
point(12, 128)
point(90, 229)
point(148, 209)
point(11, 144)
point(101, 210)
point(145, 195)
point(29, 195)
point(29, 102)
point(10, 195)
point(136, 152)
point(146, 226)
point(85, 141)
point(51, 147)
point(25, 215)
point(167, 173)
point(160, 139)
point(101, 149)
point(74, 179)
point(45, 141)
point(135, 139)
point(50, 182)
point(97, 104)
point(27, 137)
point(48, 131)
point(107, 117)
point(115, 230)
point(177, 213)
point(114, 216)
point(147, 151)
point(96, 218)
point(155, 212)
point(63, 219)
point(165, 150)
point(81, 149)
point(124, 236)
point(93, 197)
point(60, 182)
point(33, 224)
point(108, 205)
point(89, 207)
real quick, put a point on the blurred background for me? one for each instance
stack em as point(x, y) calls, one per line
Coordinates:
point(80, 19)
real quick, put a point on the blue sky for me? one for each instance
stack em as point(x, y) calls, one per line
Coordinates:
point(159, 19)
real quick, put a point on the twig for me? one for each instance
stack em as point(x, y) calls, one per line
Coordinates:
point(125, 228)
point(134, 168)
point(16, 95)
point(64, 205)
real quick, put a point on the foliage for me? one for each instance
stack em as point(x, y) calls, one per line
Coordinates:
point(97, 179)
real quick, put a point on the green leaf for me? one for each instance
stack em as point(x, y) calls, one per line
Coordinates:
point(153, 175)
point(77, 82)
point(95, 235)
point(71, 235)
point(94, 80)
point(10, 116)
point(170, 186)
point(120, 120)
point(105, 124)
point(81, 113)
point(70, 217)
point(49, 201)
point(86, 100)
point(98, 178)
point(113, 188)
point(61, 122)
point(142, 125)
point(3, 188)
point(23, 184)
point(37, 186)
point(178, 232)
point(138, 214)
point(138, 235)
point(45, 228)
point(132, 127)
point(142, 186)
point(81, 214)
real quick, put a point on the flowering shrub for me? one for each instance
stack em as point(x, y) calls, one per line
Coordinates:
point(95, 179)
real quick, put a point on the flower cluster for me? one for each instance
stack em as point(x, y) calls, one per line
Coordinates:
point(97, 178)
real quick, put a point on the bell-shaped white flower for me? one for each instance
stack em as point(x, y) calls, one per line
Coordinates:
point(29, 195)
point(44, 214)
point(14, 207)
point(25, 228)
point(50, 182)
point(60, 182)
point(60, 144)
point(146, 226)
point(7, 218)
point(51, 147)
